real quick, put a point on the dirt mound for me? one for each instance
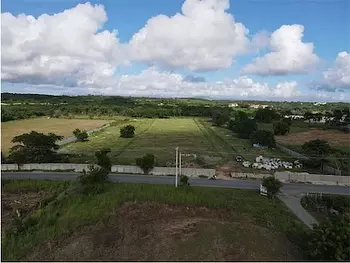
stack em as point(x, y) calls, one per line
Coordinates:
point(158, 232)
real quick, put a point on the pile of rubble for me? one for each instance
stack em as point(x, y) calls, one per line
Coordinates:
point(271, 164)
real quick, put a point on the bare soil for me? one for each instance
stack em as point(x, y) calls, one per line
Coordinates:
point(20, 205)
point(334, 138)
point(158, 232)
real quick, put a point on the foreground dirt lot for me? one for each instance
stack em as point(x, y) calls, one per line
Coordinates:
point(58, 126)
point(334, 138)
point(159, 232)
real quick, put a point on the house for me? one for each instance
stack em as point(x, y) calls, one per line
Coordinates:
point(233, 105)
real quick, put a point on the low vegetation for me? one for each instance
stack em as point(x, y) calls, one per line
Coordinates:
point(272, 185)
point(81, 135)
point(72, 222)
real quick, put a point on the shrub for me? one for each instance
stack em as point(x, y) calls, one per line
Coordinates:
point(127, 131)
point(93, 175)
point(146, 163)
point(80, 135)
point(281, 128)
point(184, 181)
point(330, 240)
point(265, 138)
point(272, 185)
point(103, 160)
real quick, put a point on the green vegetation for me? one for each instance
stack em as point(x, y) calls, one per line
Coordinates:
point(69, 211)
point(127, 131)
point(265, 138)
point(146, 163)
point(281, 127)
point(81, 136)
point(272, 185)
point(34, 147)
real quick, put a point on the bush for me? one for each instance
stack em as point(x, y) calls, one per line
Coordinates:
point(265, 138)
point(281, 128)
point(93, 176)
point(330, 240)
point(272, 185)
point(80, 135)
point(103, 160)
point(127, 131)
point(245, 128)
point(146, 163)
point(184, 181)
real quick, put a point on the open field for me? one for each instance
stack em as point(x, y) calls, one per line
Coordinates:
point(244, 146)
point(296, 127)
point(153, 222)
point(58, 126)
point(157, 136)
point(334, 138)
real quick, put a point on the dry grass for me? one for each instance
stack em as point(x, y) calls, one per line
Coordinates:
point(334, 138)
point(62, 127)
point(159, 232)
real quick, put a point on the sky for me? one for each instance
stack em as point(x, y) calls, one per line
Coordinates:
point(285, 50)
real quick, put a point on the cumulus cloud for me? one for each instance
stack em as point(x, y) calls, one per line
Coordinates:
point(69, 48)
point(152, 82)
point(337, 77)
point(289, 54)
point(203, 37)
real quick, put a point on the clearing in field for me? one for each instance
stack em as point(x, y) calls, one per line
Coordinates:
point(142, 222)
point(62, 127)
point(157, 136)
point(333, 137)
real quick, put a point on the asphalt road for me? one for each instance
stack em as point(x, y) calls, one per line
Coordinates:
point(288, 188)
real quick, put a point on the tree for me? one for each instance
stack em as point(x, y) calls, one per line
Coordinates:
point(3, 159)
point(146, 163)
point(220, 118)
point(265, 138)
point(272, 185)
point(184, 181)
point(330, 240)
point(127, 131)
point(245, 128)
point(318, 150)
point(281, 128)
point(80, 135)
point(240, 115)
point(34, 147)
point(103, 160)
point(266, 115)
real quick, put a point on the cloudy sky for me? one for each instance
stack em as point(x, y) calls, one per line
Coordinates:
point(242, 49)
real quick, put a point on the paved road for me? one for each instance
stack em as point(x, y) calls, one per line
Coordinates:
point(289, 189)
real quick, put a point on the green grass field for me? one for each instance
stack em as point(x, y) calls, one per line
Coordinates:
point(56, 223)
point(157, 136)
point(244, 146)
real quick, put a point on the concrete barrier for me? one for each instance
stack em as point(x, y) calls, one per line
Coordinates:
point(130, 169)
point(320, 179)
point(249, 175)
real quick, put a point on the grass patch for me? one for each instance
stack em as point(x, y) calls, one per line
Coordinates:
point(67, 213)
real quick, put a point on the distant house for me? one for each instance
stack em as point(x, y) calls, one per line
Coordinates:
point(233, 105)
point(294, 117)
point(320, 103)
point(259, 106)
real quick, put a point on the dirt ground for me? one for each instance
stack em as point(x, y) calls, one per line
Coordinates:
point(58, 126)
point(20, 205)
point(334, 138)
point(159, 232)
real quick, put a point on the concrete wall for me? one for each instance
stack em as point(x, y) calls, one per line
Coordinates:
point(191, 172)
point(249, 175)
point(313, 178)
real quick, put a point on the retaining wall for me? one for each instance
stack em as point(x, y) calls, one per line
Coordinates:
point(191, 172)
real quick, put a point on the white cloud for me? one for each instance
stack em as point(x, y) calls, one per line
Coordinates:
point(338, 76)
point(69, 48)
point(152, 82)
point(289, 54)
point(203, 37)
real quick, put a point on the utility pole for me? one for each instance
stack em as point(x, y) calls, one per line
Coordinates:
point(176, 164)
point(180, 164)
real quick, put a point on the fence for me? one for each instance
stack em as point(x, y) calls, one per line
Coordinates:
point(326, 168)
point(129, 169)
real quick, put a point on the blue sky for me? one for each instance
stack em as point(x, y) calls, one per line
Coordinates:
point(325, 25)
